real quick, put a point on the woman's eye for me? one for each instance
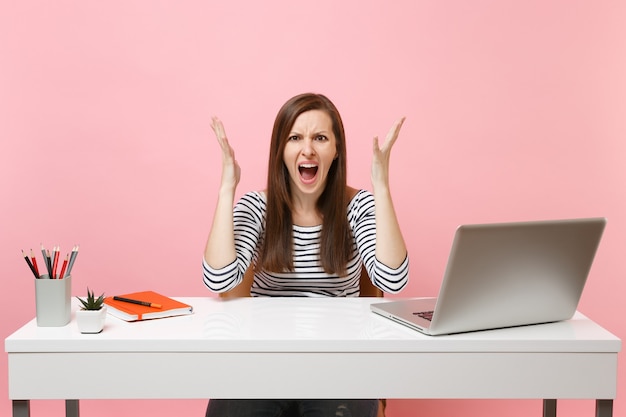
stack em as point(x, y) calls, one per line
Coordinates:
point(321, 138)
point(293, 138)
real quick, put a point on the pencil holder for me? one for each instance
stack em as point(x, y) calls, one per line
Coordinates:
point(53, 301)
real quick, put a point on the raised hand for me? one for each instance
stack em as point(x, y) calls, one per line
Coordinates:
point(390, 246)
point(220, 246)
point(381, 156)
point(231, 172)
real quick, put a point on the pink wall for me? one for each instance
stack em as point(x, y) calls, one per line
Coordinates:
point(515, 111)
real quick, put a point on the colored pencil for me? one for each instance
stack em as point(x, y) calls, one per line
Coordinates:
point(45, 260)
point(55, 262)
point(30, 265)
point(62, 274)
point(72, 259)
point(49, 262)
point(32, 257)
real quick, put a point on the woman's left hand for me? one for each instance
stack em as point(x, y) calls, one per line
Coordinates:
point(380, 161)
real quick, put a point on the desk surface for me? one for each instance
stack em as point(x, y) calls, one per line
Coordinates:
point(284, 347)
point(301, 324)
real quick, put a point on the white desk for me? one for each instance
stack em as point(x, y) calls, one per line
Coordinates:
point(283, 348)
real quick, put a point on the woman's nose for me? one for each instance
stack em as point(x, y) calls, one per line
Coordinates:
point(307, 147)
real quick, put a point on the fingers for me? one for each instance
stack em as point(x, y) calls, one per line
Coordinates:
point(231, 171)
point(218, 129)
point(392, 136)
point(217, 126)
point(220, 134)
point(376, 145)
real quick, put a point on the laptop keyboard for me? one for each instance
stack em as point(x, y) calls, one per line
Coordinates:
point(427, 315)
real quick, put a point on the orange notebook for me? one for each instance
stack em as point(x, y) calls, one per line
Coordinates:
point(134, 312)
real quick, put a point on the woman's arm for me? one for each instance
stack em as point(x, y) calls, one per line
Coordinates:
point(247, 226)
point(390, 246)
point(362, 216)
point(220, 246)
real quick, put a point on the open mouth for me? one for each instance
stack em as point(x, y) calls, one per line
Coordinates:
point(307, 171)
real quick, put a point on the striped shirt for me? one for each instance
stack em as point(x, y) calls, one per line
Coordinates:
point(308, 278)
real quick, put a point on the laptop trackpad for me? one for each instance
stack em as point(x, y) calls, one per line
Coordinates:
point(412, 310)
point(421, 306)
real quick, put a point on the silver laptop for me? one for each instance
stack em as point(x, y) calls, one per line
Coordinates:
point(504, 275)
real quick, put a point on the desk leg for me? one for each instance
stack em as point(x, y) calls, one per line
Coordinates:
point(549, 408)
point(21, 408)
point(71, 408)
point(604, 408)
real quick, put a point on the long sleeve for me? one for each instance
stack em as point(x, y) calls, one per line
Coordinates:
point(362, 217)
point(308, 278)
point(248, 222)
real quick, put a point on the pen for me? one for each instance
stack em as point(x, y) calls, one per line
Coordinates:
point(142, 303)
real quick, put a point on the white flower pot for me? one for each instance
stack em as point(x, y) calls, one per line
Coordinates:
point(91, 321)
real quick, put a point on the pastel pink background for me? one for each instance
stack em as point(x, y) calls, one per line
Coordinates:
point(516, 110)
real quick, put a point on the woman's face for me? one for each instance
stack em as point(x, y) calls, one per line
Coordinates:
point(309, 152)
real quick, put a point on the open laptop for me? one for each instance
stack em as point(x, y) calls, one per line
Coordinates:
point(504, 275)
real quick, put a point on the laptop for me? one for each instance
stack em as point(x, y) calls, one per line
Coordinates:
point(504, 275)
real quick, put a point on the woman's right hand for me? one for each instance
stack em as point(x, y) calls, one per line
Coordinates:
point(382, 154)
point(220, 247)
point(231, 172)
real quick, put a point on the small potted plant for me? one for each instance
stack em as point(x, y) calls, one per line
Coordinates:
point(90, 317)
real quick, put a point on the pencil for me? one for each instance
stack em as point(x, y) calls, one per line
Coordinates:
point(72, 259)
point(62, 274)
point(45, 260)
point(30, 265)
point(49, 262)
point(55, 251)
point(32, 257)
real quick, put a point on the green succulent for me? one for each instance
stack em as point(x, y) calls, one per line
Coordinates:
point(92, 303)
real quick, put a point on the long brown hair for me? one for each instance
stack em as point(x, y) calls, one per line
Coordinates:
point(276, 252)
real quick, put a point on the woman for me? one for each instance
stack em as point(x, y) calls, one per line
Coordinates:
point(308, 233)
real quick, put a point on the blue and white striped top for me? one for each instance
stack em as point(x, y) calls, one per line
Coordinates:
point(308, 278)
